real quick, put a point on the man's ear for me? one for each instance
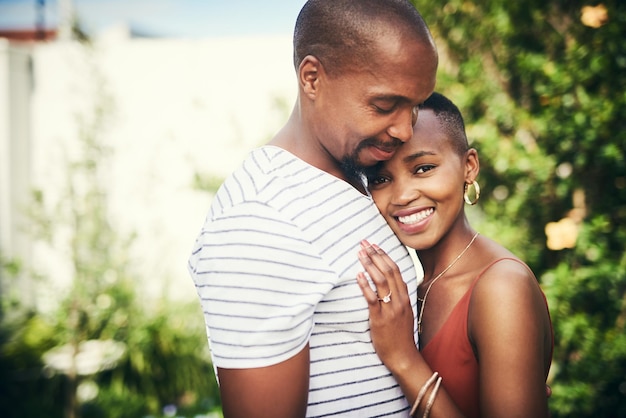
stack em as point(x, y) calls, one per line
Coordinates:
point(472, 165)
point(309, 73)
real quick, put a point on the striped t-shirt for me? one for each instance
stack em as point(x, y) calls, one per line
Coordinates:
point(275, 267)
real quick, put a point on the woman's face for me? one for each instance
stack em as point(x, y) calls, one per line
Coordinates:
point(420, 190)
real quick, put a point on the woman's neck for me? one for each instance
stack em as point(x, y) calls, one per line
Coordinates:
point(447, 252)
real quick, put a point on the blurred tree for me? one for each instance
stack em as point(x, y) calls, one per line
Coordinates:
point(102, 352)
point(24, 390)
point(542, 85)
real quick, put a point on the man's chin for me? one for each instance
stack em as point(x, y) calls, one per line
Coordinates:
point(352, 167)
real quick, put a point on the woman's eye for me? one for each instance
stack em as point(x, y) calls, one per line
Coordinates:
point(423, 168)
point(378, 180)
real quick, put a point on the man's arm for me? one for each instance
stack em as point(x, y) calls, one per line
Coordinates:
point(278, 391)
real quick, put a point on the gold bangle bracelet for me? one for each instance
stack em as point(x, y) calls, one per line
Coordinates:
point(431, 399)
point(422, 392)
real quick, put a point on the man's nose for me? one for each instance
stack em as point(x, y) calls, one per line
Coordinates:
point(402, 128)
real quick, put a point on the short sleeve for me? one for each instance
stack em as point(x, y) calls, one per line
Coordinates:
point(259, 282)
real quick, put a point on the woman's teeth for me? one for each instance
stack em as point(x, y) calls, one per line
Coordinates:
point(416, 217)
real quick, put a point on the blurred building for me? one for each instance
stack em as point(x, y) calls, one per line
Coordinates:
point(177, 108)
point(16, 88)
point(28, 35)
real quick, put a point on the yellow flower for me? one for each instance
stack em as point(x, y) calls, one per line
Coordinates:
point(561, 234)
point(594, 16)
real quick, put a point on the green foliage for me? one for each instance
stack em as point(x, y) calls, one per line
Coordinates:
point(591, 346)
point(166, 364)
point(24, 389)
point(543, 90)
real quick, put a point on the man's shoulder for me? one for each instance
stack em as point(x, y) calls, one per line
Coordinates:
point(274, 177)
point(268, 167)
point(272, 161)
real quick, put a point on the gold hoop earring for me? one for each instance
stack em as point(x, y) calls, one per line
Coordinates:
point(476, 193)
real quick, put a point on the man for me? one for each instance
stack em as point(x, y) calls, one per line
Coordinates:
point(275, 264)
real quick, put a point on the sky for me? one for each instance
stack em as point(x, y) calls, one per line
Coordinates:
point(177, 18)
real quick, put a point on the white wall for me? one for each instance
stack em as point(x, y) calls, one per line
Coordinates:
point(15, 148)
point(179, 107)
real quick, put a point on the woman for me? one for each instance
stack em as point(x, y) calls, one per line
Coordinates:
point(485, 337)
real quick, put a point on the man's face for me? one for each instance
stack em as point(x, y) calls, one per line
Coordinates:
point(368, 111)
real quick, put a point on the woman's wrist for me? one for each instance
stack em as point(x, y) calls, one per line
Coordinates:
point(405, 364)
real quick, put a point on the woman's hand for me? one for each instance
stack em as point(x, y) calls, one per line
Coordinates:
point(392, 323)
point(392, 327)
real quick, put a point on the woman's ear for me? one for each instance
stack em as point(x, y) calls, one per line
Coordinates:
point(309, 73)
point(472, 165)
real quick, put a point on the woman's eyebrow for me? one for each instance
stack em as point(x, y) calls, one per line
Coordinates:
point(417, 155)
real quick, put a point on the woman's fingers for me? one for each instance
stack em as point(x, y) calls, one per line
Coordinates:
point(377, 270)
point(370, 296)
point(386, 265)
point(391, 319)
point(383, 271)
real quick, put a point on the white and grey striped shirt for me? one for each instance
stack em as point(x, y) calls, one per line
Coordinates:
point(275, 267)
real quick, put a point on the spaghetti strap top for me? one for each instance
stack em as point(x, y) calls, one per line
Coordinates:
point(450, 353)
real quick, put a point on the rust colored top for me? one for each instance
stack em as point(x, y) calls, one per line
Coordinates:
point(450, 353)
